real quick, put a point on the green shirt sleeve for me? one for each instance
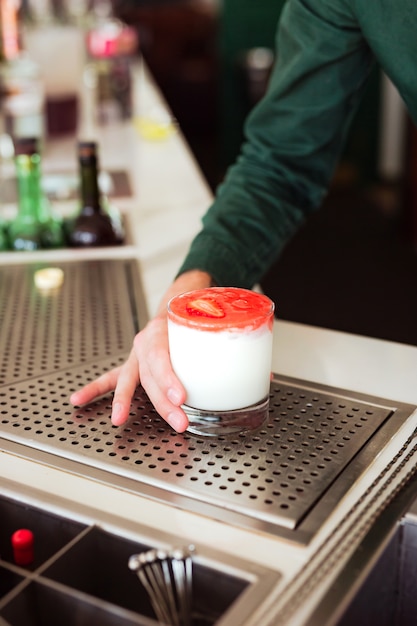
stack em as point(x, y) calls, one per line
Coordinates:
point(294, 138)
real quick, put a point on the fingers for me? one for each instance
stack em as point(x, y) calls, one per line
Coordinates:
point(148, 363)
point(99, 387)
point(162, 386)
point(123, 380)
point(127, 381)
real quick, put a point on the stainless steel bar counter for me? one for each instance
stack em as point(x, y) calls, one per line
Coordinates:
point(279, 518)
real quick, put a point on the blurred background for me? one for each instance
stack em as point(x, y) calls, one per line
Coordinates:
point(353, 266)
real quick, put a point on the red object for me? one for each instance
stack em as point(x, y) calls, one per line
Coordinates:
point(23, 543)
point(220, 308)
point(113, 38)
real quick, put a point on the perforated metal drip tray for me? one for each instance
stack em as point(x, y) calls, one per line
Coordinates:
point(94, 314)
point(283, 478)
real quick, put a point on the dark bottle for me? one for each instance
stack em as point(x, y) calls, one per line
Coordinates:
point(4, 240)
point(35, 227)
point(93, 226)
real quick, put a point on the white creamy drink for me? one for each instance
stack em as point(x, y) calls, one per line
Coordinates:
point(220, 342)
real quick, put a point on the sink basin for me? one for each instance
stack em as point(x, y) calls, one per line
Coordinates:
point(377, 585)
point(387, 596)
point(80, 575)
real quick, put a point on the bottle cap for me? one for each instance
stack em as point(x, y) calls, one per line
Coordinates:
point(87, 149)
point(26, 145)
point(22, 544)
point(111, 39)
point(49, 278)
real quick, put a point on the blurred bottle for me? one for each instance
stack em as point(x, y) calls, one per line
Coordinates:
point(25, 232)
point(35, 227)
point(94, 225)
point(4, 239)
point(6, 172)
point(111, 46)
point(21, 85)
point(57, 45)
point(257, 66)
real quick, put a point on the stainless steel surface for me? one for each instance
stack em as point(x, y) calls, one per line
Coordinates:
point(94, 314)
point(343, 558)
point(377, 584)
point(275, 474)
point(285, 477)
point(167, 578)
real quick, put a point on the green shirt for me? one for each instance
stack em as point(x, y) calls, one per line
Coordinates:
point(325, 50)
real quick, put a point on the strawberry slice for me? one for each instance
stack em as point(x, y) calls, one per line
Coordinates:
point(206, 307)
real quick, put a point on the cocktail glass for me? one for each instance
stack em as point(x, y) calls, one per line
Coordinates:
point(220, 342)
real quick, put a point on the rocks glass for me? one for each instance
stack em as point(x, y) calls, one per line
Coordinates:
point(220, 342)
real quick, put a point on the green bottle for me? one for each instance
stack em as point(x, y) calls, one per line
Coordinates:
point(53, 233)
point(25, 231)
point(34, 227)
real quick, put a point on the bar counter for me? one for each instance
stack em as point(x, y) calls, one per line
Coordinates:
point(163, 211)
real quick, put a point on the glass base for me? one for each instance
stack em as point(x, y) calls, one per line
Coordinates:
point(217, 423)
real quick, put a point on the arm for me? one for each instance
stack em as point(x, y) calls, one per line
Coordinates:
point(293, 140)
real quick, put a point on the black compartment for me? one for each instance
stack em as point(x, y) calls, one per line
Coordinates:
point(98, 566)
point(8, 580)
point(41, 605)
point(51, 532)
point(88, 581)
point(388, 595)
point(213, 593)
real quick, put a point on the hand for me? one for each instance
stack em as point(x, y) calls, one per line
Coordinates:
point(148, 364)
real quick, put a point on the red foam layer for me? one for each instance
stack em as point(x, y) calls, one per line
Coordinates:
point(219, 308)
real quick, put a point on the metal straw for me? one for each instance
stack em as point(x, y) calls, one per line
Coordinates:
point(167, 579)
